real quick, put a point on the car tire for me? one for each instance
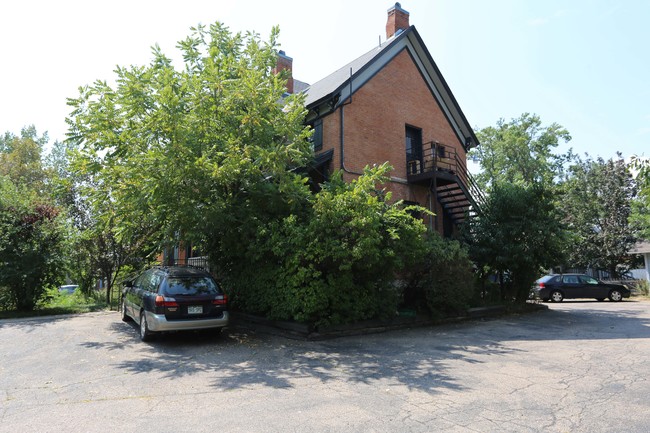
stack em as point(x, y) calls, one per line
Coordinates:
point(600, 299)
point(145, 333)
point(557, 296)
point(615, 296)
point(125, 317)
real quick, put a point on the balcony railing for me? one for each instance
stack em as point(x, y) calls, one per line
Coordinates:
point(195, 262)
point(443, 162)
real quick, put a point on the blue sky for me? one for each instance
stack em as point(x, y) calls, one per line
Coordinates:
point(583, 64)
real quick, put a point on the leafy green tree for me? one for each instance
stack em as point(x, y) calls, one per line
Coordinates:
point(21, 158)
point(597, 205)
point(640, 216)
point(517, 234)
point(520, 151)
point(32, 244)
point(204, 153)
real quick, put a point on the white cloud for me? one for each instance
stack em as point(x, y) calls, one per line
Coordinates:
point(537, 22)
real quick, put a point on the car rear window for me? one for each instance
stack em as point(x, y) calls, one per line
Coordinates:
point(190, 286)
point(547, 279)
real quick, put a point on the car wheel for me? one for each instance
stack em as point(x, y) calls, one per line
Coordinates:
point(615, 296)
point(125, 317)
point(145, 334)
point(557, 296)
point(600, 299)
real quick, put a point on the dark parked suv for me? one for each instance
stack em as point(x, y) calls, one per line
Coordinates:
point(174, 298)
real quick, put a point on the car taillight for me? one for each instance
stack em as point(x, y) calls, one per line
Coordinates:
point(541, 285)
point(162, 301)
point(220, 300)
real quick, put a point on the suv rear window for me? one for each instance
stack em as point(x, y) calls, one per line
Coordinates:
point(190, 286)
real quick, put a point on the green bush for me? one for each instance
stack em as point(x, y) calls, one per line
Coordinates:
point(442, 282)
point(642, 287)
point(32, 241)
point(337, 263)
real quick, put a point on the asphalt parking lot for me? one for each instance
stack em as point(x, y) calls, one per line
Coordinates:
point(578, 367)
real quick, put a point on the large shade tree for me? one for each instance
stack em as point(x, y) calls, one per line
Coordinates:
point(521, 151)
point(202, 153)
point(640, 216)
point(597, 204)
point(519, 230)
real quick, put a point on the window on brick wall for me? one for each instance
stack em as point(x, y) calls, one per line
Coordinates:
point(413, 149)
point(317, 137)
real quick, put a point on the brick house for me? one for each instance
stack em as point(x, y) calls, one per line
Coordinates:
point(393, 104)
point(390, 104)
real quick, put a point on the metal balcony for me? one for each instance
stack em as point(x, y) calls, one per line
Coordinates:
point(440, 168)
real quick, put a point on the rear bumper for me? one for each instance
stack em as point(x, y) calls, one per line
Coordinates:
point(158, 322)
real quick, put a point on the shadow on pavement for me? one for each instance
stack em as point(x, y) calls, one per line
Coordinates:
point(416, 358)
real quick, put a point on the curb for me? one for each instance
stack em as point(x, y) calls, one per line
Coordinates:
point(302, 331)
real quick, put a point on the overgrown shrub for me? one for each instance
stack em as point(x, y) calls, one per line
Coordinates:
point(32, 239)
point(338, 263)
point(442, 282)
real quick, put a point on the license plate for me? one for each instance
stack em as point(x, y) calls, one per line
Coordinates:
point(195, 309)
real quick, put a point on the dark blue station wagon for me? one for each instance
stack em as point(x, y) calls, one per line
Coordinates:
point(174, 298)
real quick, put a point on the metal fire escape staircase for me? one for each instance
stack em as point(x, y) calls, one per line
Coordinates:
point(454, 188)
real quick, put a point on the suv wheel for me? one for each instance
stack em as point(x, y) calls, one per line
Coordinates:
point(145, 333)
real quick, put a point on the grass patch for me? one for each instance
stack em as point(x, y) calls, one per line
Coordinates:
point(643, 287)
point(55, 303)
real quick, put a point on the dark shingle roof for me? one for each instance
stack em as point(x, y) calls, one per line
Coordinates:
point(330, 84)
point(334, 87)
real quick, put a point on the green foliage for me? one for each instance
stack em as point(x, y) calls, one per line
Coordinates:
point(520, 151)
point(640, 215)
point(205, 152)
point(21, 159)
point(336, 264)
point(597, 204)
point(450, 279)
point(441, 279)
point(32, 245)
point(518, 232)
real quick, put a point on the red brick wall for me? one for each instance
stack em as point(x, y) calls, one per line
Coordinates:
point(397, 19)
point(375, 121)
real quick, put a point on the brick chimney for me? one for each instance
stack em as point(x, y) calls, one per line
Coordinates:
point(285, 63)
point(398, 19)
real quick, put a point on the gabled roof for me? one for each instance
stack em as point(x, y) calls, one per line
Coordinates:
point(337, 87)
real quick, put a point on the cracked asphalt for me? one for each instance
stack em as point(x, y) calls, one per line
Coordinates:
point(578, 367)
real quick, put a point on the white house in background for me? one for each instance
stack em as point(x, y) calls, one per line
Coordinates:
point(644, 249)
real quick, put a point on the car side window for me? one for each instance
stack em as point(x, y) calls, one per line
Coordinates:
point(588, 280)
point(570, 279)
point(150, 281)
point(154, 282)
point(138, 282)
